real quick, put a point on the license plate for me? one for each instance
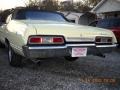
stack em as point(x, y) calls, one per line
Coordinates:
point(104, 40)
point(79, 52)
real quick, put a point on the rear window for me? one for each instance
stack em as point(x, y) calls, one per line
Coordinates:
point(39, 15)
point(109, 23)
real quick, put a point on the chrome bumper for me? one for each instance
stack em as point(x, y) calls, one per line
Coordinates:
point(58, 51)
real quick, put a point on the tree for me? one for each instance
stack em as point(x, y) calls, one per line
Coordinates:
point(80, 7)
point(44, 5)
point(91, 3)
point(33, 4)
point(67, 6)
point(94, 2)
point(50, 5)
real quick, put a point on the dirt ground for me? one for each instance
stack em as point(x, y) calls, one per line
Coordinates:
point(89, 73)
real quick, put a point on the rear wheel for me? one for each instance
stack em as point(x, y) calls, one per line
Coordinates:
point(71, 58)
point(1, 45)
point(15, 60)
point(118, 45)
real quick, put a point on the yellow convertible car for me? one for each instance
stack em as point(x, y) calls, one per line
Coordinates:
point(38, 34)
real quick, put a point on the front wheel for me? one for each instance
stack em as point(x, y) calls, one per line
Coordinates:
point(71, 58)
point(15, 60)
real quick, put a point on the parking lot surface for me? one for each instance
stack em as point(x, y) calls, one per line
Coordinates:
point(89, 73)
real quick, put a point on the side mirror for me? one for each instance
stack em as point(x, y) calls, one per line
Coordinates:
point(8, 19)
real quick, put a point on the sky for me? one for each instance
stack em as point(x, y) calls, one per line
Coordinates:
point(6, 4)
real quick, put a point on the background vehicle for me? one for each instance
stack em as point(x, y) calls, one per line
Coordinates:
point(113, 24)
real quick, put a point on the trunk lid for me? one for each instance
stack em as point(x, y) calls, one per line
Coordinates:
point(71, 32)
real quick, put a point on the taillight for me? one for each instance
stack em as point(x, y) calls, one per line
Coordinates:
point(103, 40)
point(46, 40)
point(58, 40)
point(35, 40)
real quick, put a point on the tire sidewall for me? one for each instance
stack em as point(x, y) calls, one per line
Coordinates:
point(15, 60)
point(10, 51)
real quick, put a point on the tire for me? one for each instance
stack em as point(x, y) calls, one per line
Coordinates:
point(118, 45)
point(1, 45)
point(68, 58)
point(15, 60)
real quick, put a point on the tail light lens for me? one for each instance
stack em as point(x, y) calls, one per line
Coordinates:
point(58, 40)
point(35, 40)
point(103, 40)
point(46, 40)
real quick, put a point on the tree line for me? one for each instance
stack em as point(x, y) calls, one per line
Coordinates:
point(54, 5)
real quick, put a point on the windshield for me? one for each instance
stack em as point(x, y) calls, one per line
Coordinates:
point(40, 15)
point(109, 23)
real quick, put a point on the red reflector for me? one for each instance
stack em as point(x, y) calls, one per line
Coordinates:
point(58, 40)
point(35, 40)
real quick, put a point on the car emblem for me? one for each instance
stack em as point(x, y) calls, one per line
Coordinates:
point(80, 35)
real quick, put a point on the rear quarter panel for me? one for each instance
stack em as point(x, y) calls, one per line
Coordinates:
point(17, 36)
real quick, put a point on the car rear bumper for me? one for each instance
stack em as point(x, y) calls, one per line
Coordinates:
point(58, 51)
